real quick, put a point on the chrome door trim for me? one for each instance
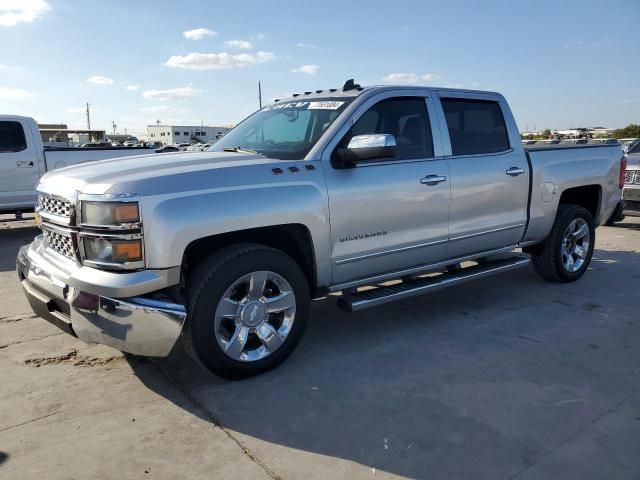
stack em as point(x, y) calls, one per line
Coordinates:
point(486, 232)
point(389, 252)
point(414, 270)
point(421, 245)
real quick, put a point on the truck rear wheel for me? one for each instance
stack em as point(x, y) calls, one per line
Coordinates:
point(566, 253)
point(248, 309)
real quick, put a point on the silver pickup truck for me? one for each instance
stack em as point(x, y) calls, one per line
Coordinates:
point(380, 193)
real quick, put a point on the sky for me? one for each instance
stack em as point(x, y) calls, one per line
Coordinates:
point(559, 64)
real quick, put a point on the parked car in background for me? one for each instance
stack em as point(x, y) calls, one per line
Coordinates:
point(167, 148)
point(333, 191)
point(631, 144)
point(183, 146)
point(24, 159)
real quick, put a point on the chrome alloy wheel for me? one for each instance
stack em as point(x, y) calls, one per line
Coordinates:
point(254, 316)
point(575, 245)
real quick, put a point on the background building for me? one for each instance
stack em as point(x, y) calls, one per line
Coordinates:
point(57, 134)
point(175, 134)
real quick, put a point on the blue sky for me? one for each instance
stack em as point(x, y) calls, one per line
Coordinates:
point(560, 64)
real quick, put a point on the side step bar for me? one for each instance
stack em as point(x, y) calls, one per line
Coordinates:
point(385, 294)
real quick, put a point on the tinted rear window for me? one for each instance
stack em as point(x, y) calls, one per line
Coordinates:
point(475, 126)
point(12, 137)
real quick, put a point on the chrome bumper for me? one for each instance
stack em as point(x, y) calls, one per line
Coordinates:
point(138, 325)
point(631, 197)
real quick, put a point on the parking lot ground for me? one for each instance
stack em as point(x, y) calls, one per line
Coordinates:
point(505, 378)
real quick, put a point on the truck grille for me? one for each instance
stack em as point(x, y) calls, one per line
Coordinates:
point(59, 243)
point(632, 177)
point(54, 206)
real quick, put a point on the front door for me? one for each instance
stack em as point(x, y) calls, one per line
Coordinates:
point(384, 215)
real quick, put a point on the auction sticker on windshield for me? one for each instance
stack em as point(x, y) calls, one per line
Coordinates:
point(325, 105)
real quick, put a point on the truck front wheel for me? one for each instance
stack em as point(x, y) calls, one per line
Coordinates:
point(566, 253)
point(248, 309)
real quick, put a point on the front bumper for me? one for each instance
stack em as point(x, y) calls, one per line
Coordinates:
point(137, 324)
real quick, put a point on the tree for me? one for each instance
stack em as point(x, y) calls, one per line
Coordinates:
point(630, 131)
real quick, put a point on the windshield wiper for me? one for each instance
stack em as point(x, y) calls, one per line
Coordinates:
point(238, 150)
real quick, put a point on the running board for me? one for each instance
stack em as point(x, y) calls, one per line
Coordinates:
point(385, 294)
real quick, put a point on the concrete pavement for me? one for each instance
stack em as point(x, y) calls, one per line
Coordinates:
point(506, 378)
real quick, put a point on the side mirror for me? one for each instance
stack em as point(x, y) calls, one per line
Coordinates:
point(366, 147)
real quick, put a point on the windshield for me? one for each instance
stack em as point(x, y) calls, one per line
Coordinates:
point(285, 131)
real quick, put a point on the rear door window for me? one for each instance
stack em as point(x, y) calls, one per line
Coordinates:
point(12, 137)
point(475, 126)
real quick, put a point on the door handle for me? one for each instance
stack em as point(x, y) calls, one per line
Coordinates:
point(515, 171)
point(433, 179)
point(24, 164)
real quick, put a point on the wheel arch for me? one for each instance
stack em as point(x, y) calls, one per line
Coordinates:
point(293, 239)
point(587, 196)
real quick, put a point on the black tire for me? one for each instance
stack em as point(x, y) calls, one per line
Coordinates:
point(205, 288)
point(547, 257)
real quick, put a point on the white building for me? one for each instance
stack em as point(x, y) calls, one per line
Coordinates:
point(175, 134)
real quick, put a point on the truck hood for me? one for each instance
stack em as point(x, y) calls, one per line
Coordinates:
point(161, 172)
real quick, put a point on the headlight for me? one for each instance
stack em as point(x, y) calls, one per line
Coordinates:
point(112, 251)
point(109, 213)
point(110, 232)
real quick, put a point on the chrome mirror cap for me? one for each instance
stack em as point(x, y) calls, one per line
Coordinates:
point(375, 140)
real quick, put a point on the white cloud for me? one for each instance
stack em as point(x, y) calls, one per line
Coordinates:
point(218, 61)
point(13, 12)
point(74, 109)
point(241, 44)
point(431, 77)
point(626, 101)
point(411, 78)
point(132, 88)
point(198, 34)
point(307, 45)
point(14, 94)
point(308, 69)
point(171, 93)
point(163, 109)
point(602, 43)
point(401, 78)
point(100, 80)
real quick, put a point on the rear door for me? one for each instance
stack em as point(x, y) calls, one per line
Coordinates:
point(489, 177)
point(384, 217)
point(19, 171)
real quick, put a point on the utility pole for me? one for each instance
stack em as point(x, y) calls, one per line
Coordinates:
point(88, 118)
point(259, 94)
point(114, 126)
